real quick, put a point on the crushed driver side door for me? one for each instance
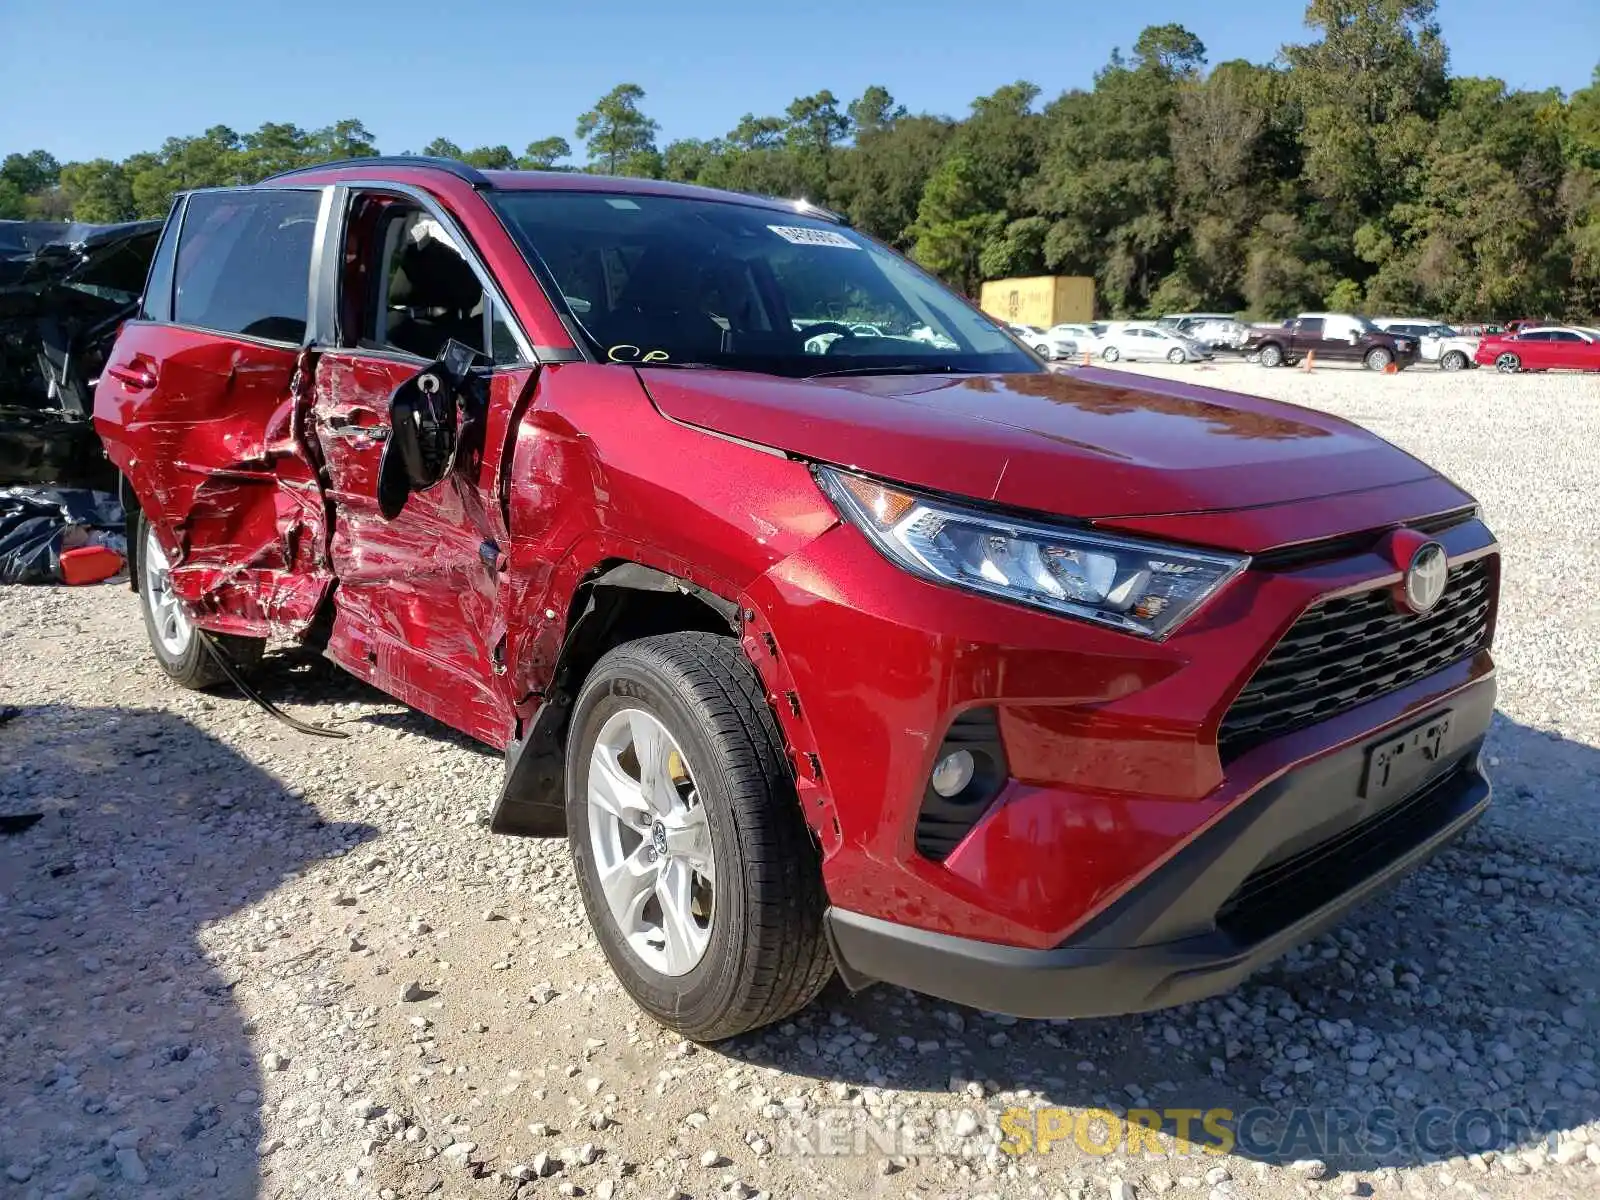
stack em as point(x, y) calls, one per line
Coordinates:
point(204, 406)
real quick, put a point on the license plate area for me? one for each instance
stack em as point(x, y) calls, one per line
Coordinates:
point(1398, 764)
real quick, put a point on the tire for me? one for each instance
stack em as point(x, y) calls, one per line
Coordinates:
point(1110, 354)
point(1271, 355)
point(1454, 360)
point(1043, 351)
point(1377, 359)
point(174, 639)
point(1508, 363)
point(1177, 357)
point(762, 954)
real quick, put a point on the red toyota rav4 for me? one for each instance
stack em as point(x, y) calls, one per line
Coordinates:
point(1056, 693)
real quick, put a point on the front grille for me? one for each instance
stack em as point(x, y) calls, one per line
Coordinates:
point(1348, 650)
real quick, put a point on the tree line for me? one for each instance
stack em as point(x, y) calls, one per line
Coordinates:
point(1353, 173)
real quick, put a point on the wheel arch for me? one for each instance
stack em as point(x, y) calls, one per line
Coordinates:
point(131, 511)
point(618, 601)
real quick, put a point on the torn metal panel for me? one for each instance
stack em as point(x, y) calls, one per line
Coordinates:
point(210, 432)
point(64, 289)
point(417, 608)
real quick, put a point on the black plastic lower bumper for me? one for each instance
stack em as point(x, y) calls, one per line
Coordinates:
point(1280, 867)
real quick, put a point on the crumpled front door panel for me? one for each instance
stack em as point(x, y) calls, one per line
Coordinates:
point(417, 611)
point(212, 439)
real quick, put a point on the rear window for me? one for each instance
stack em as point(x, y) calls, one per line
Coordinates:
point(244, 263)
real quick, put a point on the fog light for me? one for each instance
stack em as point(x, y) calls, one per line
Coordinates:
point(952, 773)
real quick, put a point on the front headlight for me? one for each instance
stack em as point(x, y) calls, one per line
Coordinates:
point(1139, 587)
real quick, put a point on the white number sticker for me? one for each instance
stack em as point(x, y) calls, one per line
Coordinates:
point(801, 236)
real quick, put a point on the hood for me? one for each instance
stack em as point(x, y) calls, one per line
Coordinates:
point(1089, 443)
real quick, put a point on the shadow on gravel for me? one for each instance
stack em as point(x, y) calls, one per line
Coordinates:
point(1453, 1015)
point(125, 1065)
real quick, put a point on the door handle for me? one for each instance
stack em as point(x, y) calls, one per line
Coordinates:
point(349, 429)
point(137, 379)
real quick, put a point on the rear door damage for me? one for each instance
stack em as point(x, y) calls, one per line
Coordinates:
point(206, 400)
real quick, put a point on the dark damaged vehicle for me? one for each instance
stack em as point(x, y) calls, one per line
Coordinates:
point(1058, 693)
point(64, 289)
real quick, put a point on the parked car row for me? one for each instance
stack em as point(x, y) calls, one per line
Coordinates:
point(1333, 337)
point(1542, 348)
point(1112, 341)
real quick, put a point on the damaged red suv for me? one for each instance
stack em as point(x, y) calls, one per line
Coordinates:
point(1057, 693)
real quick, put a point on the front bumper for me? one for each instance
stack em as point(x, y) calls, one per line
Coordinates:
point(1278, 868)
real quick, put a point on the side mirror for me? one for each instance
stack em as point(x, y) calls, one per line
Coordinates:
point(424, 429)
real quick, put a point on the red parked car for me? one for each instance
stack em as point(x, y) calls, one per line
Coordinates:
point(1542, 348)
point(1053, 692)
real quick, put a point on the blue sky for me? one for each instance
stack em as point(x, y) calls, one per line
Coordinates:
point(109, 77)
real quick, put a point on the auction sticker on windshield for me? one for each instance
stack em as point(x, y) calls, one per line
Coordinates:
point(802, 236)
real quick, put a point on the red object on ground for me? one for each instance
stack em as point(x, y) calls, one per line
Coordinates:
point(89, 564)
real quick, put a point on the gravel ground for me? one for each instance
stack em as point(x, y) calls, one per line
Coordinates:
point(237, 961)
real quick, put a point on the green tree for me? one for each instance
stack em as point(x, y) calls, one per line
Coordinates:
point(348, 138)
point(98, 191)
point(882, 178)
point(31, 172)
point(756, 133)
point(1106, 181)
point(956, 221)
point(442, 148)
point(544, 154)
point(874, 111)
point(273, 148)
point(490, 158)
point(1368, 88)
point(13, 201)
point(620, 139)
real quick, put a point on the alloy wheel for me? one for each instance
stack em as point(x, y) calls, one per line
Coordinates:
point(172, 625)
point(651, 843)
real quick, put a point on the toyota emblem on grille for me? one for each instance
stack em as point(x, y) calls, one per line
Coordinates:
point(1425, 577)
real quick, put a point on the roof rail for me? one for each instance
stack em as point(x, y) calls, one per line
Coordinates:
point(451, 166)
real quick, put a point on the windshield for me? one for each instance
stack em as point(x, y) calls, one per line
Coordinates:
point(665, 279)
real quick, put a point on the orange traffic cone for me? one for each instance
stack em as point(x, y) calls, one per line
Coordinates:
point(1086, 358)
point(1311, 361)
point(1391, 369)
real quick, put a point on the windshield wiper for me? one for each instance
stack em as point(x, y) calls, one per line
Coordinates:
point(896, 369)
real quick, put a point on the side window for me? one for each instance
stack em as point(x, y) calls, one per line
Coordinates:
point(1310, 327)
point(156, 303)
point(244, 263)
point(417, 291)
point(1564, 336)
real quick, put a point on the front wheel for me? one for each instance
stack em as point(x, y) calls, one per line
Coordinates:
point(1271, 356)
point(699, 876)
point(1043, 351)
point(1508, 364)
point(1111, 354)
point(1455, 360)
point(1378, 359)
point(1176, 356)
point(175, 641)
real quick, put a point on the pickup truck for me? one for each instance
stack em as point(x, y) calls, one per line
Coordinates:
point(1332, 337)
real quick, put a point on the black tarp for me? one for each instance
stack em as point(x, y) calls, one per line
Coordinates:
point(64, 289)
point(36, 524)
